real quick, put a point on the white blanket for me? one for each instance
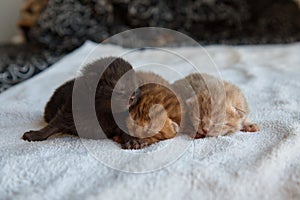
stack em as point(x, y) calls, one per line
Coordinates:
point(262, 165)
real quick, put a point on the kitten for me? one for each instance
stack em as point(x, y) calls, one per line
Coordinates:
point(156, 115)
point(59, 113)
point(223, 108)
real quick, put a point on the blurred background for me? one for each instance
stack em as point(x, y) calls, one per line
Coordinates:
point(36, 33)
point(10, 13)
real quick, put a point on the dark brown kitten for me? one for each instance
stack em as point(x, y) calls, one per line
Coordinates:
point(156, 115)
point(59, 113)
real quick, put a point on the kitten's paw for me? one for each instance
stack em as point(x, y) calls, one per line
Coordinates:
point(33, 136)
point(118, 139)
point(250, 128)
point(135, 143)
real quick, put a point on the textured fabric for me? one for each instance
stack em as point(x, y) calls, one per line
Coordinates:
point(262, 165)
point(68, 23)
point(20, 62)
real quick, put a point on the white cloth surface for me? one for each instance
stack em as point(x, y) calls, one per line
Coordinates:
point(264, 165)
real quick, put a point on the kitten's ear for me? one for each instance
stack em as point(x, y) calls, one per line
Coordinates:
point(175, 126)
point(91, 80)
point(191, 101)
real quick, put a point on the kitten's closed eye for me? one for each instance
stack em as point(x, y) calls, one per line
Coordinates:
point(229, 125)
point(241, 112)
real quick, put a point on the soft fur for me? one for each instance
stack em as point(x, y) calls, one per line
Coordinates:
point(157, 115)
point(59, 112)
point(223, 108)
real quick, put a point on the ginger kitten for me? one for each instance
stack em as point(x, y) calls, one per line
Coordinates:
point(156, 115)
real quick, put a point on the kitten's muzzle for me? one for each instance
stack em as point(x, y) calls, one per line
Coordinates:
point(202, 132)
point(205, 130)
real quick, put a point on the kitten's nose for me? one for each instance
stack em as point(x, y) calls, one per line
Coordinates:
point(132, 100)
point(205, 130)
point(134, 97)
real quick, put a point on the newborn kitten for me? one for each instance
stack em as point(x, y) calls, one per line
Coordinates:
point(59, 113)
point(156, 115)
point(223, 108)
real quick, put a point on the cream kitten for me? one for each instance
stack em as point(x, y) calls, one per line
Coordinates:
point(223, 108)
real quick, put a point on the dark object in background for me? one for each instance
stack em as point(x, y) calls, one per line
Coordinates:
point(20, 62)
point(64, 25)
